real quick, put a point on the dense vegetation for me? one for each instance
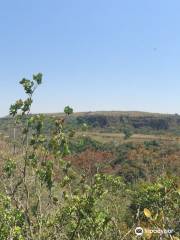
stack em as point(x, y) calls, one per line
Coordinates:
point(59, 183)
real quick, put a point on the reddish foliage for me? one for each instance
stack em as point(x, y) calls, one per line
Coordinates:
point(91, 161)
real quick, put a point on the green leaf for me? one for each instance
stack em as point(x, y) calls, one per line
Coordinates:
point(38, 78)
point(68, 110)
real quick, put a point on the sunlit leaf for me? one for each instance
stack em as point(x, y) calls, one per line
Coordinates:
point(147, 213)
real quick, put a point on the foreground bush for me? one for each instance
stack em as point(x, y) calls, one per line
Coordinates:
point(54, 202)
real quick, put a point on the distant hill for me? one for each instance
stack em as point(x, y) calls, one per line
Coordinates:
point(137, 122)
point(115, 121)
point(116, 113)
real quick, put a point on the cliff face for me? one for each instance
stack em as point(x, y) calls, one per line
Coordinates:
point(138, 122)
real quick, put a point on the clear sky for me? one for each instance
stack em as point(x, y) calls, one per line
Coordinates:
point(94, 54)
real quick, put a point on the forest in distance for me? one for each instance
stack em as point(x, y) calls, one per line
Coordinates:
point(88, 176)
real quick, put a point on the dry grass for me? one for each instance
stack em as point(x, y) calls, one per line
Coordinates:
point(119, 137)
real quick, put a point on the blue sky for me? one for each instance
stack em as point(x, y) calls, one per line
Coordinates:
point(94, 54)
